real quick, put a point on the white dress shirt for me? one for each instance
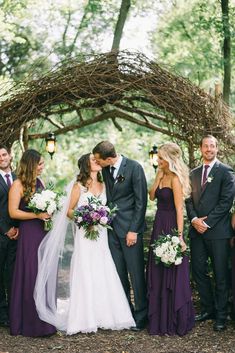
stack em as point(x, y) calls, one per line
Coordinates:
point(117, 166)
point(211, 165)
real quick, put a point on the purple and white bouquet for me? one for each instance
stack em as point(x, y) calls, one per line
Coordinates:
point(92, 215)
point(46, 200)
point(167, 249)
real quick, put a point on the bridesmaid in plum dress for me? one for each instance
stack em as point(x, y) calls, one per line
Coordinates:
point(170, 299)
point(24, 319)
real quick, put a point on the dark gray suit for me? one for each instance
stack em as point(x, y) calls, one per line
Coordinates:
point(213, 201)
point(129, 193)
point(7, 251)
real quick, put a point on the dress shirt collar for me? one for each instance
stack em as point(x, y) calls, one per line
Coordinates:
point(117, 165)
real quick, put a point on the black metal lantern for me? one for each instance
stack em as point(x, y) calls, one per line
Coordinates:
point(153, 157)
point(51, 144)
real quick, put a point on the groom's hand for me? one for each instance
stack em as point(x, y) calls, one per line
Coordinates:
point(199, 225)
point(131, 238)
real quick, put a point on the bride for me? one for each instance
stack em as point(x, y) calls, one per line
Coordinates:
point(96, 297)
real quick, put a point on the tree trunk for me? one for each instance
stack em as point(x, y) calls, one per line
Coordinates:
point(226, 50)
point(125, 5)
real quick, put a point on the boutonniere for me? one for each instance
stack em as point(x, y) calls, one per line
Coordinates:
point(209, 179)
point(120, 178)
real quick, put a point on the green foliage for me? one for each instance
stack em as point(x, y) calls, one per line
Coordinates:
point(189, 38)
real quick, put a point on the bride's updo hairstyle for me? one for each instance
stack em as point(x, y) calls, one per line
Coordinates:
point(172, 153)
point(84, 176)
point(27, 171)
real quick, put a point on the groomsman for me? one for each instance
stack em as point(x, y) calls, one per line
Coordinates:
point(208, 208)
point(8, 235)
point(126, 187)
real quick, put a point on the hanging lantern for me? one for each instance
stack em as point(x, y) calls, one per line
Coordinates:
point(51, 144)
point(153, 157)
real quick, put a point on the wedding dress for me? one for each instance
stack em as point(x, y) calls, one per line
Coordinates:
point(96, 296)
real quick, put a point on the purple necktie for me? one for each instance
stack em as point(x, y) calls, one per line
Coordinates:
point(204, 177)
point(8, 180)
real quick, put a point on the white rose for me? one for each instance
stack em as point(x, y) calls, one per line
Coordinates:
point(178, 261)
point(165, 258)
point(79, 219)
point(51, 208)
point(41, 204)
point(171, 259)
point(175, 240)
point(103, 220)
point(164, 246)
point(49, 194)
point(158, 251)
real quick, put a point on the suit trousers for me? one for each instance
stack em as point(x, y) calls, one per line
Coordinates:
point(214, 298)
point(7, 260)
point(130, 260)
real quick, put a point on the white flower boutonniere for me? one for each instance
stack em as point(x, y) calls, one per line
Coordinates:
point(120, 178)
point(209, 179)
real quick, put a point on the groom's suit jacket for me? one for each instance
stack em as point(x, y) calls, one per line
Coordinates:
point(5, 221)
point(129, 193)
point(213, 201)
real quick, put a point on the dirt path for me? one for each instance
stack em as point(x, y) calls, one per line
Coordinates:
point(202, 339)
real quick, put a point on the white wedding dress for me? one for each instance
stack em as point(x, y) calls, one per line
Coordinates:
point(97, 299)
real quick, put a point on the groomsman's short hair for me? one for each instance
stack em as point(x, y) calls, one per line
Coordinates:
point(5, 148)
point(105, 149)
point(209, 137)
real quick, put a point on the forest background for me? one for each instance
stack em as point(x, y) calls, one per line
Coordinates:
point(193, 39)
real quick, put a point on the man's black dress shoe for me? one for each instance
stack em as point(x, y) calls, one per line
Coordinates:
point(204, 316)
point(139, 325)
point(219, 326)
point(135, 329)
point(4, 323)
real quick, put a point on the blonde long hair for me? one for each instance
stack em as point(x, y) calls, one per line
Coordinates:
point(172, 153)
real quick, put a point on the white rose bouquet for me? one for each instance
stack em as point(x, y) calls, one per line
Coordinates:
point(48, 201)
point(167, 249)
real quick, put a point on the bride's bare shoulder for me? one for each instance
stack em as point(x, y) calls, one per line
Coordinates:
point(78, 186)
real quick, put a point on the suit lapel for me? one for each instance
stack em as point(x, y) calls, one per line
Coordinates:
point(198, 178)
point(3, 183)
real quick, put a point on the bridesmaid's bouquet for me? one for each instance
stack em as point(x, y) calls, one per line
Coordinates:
point(232, 210)
point(167, 249)
point(46, 200)
point(93, 214)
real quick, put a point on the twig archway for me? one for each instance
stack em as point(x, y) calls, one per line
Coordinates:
point(114, 85)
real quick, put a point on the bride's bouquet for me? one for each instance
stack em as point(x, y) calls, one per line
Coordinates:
point(46, 200)
point(92, 215)
point(167, 249)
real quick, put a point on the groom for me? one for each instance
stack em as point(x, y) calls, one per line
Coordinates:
point(126, 187)
point(208, 210)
